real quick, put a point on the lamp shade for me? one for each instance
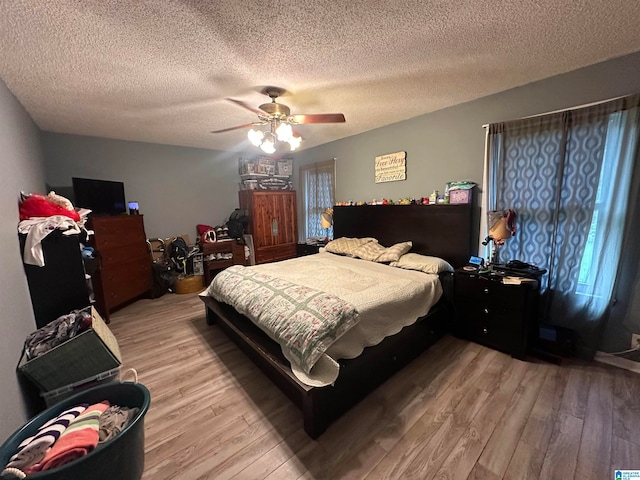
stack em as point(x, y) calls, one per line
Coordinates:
point(499, 230)
point(502, 224)
point(327, 218)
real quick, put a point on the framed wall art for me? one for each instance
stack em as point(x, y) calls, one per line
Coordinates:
point(391, 167)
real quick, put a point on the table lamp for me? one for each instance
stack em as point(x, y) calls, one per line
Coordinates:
point(502, 226)
point(326, 220)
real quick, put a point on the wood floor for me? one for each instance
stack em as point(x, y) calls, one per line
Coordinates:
point(460, 411)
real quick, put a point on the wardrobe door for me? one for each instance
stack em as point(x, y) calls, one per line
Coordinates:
point(272, 223)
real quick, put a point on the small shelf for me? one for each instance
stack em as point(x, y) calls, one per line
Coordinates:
point(247, 176)
point(234, 246)
point(217, 264)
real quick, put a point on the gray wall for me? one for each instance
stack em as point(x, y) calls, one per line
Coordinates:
point(449, 145)
point(180, 187)
point(176, 187)
point(22, 169)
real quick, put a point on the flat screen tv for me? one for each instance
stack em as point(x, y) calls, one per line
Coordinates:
point(102, 197)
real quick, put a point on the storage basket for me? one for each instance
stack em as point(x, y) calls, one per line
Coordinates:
point(120, 458)
point(190, 284)
point(86, 355)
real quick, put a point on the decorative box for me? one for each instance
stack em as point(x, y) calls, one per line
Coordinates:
point(285, 167)
point(460, 196)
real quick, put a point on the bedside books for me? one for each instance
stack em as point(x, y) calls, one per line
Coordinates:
point(510, 280)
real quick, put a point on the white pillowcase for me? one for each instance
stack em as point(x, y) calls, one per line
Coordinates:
point(422, 263)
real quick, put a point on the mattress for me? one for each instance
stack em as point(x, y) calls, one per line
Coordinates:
point(386, 298)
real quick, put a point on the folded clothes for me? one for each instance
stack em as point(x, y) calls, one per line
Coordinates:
point(80, 437)
point(114, 420)
point(33, 449)
point(56, 332)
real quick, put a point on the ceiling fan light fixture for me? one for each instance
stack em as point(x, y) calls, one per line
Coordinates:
point(277, 119)
point(268, 145)
point(284, 132)
point(255, 137)
point(294, 142)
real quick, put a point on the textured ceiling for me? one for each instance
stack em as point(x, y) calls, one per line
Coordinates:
point(159, 71)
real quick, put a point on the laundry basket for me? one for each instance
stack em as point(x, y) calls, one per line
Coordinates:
point(121, 458)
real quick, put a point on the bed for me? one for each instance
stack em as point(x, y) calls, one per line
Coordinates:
point(443, 231)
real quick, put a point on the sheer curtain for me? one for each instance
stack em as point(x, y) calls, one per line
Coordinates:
point(317, 187)
point(567, 175)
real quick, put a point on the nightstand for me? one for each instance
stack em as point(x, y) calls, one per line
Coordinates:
point(498, 315)
point(303, 249)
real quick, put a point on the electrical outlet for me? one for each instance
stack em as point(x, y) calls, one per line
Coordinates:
point(635, 340)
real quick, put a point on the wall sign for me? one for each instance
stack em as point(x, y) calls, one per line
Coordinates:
point(391, 167)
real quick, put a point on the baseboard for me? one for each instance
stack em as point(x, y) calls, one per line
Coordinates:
point(617, 361)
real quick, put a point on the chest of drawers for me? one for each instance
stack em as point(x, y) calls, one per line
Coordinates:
point(495, 314)
point(124, 271)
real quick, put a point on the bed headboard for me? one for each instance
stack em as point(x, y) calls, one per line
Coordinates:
point(439, 230)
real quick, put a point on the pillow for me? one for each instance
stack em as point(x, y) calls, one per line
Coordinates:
point(394, 252)
point(423, 263)
point(369, 251)
point(346, 245)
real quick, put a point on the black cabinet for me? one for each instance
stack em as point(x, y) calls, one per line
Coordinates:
point(495, 314)
point(60, 286)
point(303, 249)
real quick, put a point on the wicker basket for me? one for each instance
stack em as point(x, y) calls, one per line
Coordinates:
point(86, 355)
point(190, 284)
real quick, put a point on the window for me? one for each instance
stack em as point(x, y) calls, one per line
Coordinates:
point(608, 185)
point(567, 175)
point(317, 192)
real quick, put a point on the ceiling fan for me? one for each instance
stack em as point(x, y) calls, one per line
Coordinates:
point(279, 119)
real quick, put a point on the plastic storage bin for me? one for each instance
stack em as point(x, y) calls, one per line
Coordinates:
point(121, 458)
point(54, 396)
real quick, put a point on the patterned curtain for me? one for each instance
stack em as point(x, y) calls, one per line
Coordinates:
point(567, 177)
point(318, 191)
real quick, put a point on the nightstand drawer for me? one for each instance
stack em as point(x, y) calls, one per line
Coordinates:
point(491, 293)
point(475, 287)
point(492, 333)
point(496, 329)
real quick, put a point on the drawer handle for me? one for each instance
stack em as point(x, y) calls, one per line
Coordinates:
point(484, 330)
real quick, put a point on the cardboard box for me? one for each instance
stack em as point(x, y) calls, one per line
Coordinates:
point(86, 355)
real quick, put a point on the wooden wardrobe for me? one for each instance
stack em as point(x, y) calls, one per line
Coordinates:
point(124, 271)
point(272, 223)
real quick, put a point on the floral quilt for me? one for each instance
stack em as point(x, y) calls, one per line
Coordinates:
point(303, 320)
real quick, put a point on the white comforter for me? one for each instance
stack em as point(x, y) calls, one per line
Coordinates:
point(387, 299)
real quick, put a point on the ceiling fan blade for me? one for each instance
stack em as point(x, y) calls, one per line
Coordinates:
point(238, 127)
point(320, 118)
point(244, 105)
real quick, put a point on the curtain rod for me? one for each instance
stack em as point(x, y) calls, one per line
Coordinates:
point(486, 125)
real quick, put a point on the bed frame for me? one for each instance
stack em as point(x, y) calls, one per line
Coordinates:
point(440, 230)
